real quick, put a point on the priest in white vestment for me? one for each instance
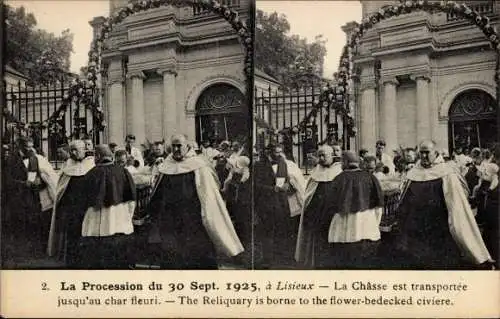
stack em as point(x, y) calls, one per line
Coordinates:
point(69, 207)
point(438, 230)
point(312, 235)
point(190, 223)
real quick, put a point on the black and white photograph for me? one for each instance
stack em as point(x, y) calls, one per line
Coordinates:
point(326, 158)
point(376, 135)
point(282, 143)
point(127, 135)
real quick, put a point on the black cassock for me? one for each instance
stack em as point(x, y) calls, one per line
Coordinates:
point(22, 215)
point(177, 227)
point(107, 185)
point(276, 231)
point(68, 224)
point(239, 206)
point(316, 221)
point(492, 223)
point(425, 241)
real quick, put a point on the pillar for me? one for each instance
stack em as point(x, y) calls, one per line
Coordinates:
point(116, 103)
point(423, 108)
point(367, 117)
point(389, 116)
point(137, 104)
point(172, 121)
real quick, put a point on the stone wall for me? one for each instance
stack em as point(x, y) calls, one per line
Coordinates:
point(171, 56)
point(425, 62)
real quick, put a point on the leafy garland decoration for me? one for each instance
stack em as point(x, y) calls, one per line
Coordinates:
point(341, 95)
point(83, 91)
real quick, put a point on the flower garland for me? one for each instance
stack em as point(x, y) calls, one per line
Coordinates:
point(83, 91)
point(341, 95)
point(409, 6)
point(334, 97)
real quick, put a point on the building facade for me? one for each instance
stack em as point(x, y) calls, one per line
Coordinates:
point(175, 70)
point(13, 79)
point(426, 76)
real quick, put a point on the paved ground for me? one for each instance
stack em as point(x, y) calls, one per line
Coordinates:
point(22, 254)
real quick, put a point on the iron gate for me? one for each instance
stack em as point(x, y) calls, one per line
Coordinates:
point(285, 110)
point(27, 110)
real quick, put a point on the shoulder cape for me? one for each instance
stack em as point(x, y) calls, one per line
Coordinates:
point(462, 224)
point(72, 168)
point(192, 162)
point(109, 185)
point(296, 178)
point(305, 240)
point(356, 191)
point(214, 213)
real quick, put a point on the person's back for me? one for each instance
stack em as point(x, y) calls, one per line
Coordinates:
point(356, 210)
point(110, 205)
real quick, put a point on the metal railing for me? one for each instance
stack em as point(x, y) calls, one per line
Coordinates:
point(389, 217)
point(31, 106)
point(284, 110)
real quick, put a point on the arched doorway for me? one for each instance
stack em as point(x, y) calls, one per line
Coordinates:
point(472, 120)
point(222, 114)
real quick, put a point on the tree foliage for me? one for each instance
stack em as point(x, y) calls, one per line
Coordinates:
point(291, 59)
point(42, 56)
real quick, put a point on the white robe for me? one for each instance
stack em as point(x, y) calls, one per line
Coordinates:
point(108, 221)
point(319, 174)
point(388, 161)
point(50, 177)
point(71, 168)
point(461, 221)
point(296, 177)
point(214, 214)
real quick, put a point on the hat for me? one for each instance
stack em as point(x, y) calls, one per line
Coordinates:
point(380, 142)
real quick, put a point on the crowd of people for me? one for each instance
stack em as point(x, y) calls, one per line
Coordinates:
point(446, 215)
point(198, 207)
point(211, 204)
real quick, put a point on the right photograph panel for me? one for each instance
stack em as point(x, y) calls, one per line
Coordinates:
point(375, 135)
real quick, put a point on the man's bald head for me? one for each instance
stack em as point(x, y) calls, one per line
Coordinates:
point(325, 155)
point(180, 147)
point(325, 148)
point(179, 138)
point(428, 144)
point(77, 150)
point(350, 159)
point(103, 152)
point(428, 153)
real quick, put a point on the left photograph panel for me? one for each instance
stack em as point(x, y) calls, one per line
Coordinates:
point(127, 134)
